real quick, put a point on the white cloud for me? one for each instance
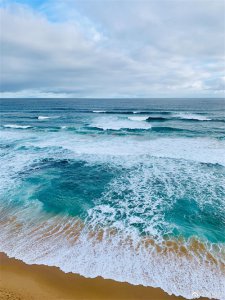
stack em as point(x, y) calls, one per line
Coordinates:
point(33, 94)
point(122, 49)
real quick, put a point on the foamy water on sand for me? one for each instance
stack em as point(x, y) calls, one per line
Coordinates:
point(132, 191)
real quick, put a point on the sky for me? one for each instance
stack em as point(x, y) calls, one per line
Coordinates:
point(112, 48)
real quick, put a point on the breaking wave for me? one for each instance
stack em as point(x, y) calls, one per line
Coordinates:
point(187, 116)
point(15, 126)
point(119, 123)
point(138, 118)
point(42, 118)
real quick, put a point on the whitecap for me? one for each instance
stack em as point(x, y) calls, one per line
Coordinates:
point(15, 126)
point(114, 123)
point(138, 118)
point(187, 116)
point(47, 117)
point(43, 118)
point(99, 111)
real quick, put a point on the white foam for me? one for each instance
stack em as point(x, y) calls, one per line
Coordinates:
point(204, 150)
point(116, 123)
point(187, 116)
point(43, 117)
point(99, 111)
point(138, 118)
point(15, 126)
point(144, 202)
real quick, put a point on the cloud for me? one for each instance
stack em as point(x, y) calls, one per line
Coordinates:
point(122, 49)
point(33, 94)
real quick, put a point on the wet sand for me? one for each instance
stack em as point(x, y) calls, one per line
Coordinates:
point(19, 281)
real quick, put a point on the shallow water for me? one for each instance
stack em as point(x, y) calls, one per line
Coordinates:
point(132, 190)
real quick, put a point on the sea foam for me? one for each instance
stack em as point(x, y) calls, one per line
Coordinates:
point(113, 256)
point(43, 117)
point(188, 116)
point(114, 123)
point(138, 118)
point(15, 126)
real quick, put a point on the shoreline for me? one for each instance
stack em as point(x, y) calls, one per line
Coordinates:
point(19, 281)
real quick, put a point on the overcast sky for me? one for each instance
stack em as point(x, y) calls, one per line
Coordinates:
point(106, 48)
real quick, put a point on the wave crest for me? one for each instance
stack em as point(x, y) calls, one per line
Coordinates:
point(15, 126)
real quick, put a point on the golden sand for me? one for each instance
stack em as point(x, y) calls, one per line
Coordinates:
point(19, 281)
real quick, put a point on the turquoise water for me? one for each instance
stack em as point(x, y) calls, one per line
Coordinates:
point(142, 169)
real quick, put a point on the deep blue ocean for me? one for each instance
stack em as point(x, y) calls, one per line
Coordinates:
point(127, 189)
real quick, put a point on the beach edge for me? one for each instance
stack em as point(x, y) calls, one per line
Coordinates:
point(22, 281)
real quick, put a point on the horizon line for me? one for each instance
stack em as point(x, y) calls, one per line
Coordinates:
point(110, 98)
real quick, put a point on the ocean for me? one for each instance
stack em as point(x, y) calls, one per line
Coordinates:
point(127, 189)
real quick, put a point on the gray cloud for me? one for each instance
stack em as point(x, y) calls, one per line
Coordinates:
point(113, 49)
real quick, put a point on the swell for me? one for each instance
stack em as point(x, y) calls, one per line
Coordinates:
point(163, 119)
point(159, 129)
point(85, 130)
point(93, 128)
point(167, 129)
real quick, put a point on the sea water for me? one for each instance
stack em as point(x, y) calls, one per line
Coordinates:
point(127, 189)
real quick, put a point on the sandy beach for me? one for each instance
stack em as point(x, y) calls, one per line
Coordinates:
point(19, 281)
